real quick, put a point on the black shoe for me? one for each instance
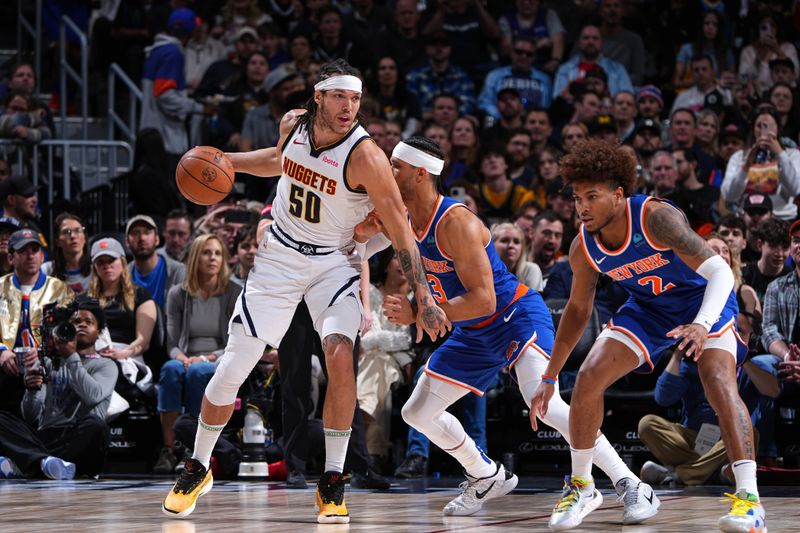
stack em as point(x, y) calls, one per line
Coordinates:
point(413, 466)
point(369, 480)
point(296, 480)
point(330, 499)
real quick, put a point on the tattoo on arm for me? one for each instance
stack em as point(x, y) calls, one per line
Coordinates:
point(412, 268)
point(334, 339)
point(669, 228)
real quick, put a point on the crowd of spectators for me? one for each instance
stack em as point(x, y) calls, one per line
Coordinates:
point(703, 94)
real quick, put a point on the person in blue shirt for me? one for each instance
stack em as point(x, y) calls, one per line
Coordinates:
point(156, 273)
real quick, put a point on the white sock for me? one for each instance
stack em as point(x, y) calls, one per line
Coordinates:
point(472, 458)
point(582, 465)
point(608, 460)
point(745, 474)
point(336, 448)
point(205, 440)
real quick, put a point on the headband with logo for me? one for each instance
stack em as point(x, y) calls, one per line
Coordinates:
point(417, 158)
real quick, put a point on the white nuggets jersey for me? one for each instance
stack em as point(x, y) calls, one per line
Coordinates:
point(314, 203)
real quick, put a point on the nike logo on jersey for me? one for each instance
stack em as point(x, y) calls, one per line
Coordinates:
point(601, 259)
point(508, 317)
point(297, 142)
point(481, 495)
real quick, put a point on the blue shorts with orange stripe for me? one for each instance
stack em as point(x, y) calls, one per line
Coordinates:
point(471, 357)
point(648, 328)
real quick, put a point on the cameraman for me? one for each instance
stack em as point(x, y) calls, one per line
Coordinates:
point(23, 295)
point(62, 430)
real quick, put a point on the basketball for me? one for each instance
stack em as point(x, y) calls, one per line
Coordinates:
point(204, 175)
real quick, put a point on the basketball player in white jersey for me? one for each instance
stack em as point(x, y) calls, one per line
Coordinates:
point(332, 176)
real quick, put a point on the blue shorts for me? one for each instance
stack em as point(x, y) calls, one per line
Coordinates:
point(471, 358)
point(648, 328)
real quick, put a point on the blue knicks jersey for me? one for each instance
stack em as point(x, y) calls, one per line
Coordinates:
point(441, 272)
point(656, 278)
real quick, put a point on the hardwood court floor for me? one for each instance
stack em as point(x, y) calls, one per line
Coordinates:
point(135, 506)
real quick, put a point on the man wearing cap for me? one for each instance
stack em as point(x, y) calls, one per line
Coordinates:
point(262, 123)
point(166, 104)
point(509, 104)
point(440, 75)
point(781, 70)
point(533, 86)
point(705, 92)
point(604, 127)
point(731, 140)
point(156, 273)
point(650, 102)
point(647, 139)
point(23, 295)
point(756, 209)
point(222, 73)
point(20, 201)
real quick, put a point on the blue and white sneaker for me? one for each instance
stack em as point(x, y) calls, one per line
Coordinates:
point(747, 515)
point(56, 468)
point(9, 470)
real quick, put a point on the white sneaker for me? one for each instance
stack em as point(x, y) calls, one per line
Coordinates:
point(8, 469)
point(656, 474)
point(747, 515)
point(639, 499)
point(476, 492)
point(573, 506)
point(56, 468)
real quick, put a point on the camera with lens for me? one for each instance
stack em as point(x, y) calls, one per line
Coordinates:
point(57, 328)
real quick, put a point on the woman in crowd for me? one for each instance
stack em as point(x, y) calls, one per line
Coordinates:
point(710, 41)
point(396, 103)
point(509, 241)
point(708, 131)
point(198, 312)
point(781, 96)
point(300, 52)
point(767, 44)
point(246, 246)
point(765, 167)
point(546, 171)
point(386, 355)
point(464, 149)
point(249, 90)
point(572, 134)
point(71, 262)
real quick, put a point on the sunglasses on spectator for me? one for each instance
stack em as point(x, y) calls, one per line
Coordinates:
point(67, 232)
point(521, 52)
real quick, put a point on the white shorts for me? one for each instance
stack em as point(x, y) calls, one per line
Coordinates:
point(726, 342)
point(282, 276)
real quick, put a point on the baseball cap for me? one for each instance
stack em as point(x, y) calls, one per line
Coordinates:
point(713, 101)
point(245, 30)
point(140, 219)
point(597, 72)
point(10, 223)
point(648, 124)
point(602, 123)
point(731, 130)
point(757, 202)
point(107, 246)
point(17, 184)
point(23, 237)
point(182, 19)
point(652, 91)
point(278, 76)
point(781, 62)
point(557, 188)
point(511, 90)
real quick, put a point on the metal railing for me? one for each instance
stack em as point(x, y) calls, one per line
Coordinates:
point(135, 97)
point(33, 31)
point(81, 79)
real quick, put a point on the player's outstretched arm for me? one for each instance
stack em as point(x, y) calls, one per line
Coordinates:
point(266, 162)
point(463, 238)
point(570, 328)
point(668, 228)
point(369, 168)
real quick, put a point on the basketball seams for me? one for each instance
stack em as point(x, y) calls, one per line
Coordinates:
point(186, 194)
point(224, 172)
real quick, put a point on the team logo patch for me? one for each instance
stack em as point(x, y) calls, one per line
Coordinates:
point(306, 249)
point(637, 237)
point(209, 174)
point(512, 348)
point(431, 240)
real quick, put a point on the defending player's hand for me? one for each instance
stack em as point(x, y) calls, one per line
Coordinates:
point(693, 337)
point(432, 320)
point(398, 309)
point(539, 402)
point(368, 228)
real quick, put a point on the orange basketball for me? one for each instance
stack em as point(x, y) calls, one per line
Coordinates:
point(204, 175)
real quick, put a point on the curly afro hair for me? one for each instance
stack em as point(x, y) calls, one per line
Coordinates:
point(595, 160)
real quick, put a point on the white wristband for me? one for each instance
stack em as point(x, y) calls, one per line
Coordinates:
point(718, 289)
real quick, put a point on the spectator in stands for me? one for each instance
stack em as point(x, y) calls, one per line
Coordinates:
point(572, 134)
point(509, 105)
point(781, 70)
point(709, 41)
point(272, 38)
point(546, 172)
point(704, 91)
point(250, 92)
point(21, 120)
point(25, 292)
point(233, 17)
point(756, 209)
point(517, 153)
point(541, 24)
point(587, 106)
point(201, 52)
point(532, 85)
point(23, 79)
point(440, 75)
point(165, 104)
point(404, 41)
point(548, 233)
point(62, 431)
point(367, 23)
point(733, 229)
point(624, 112)
point(20, 202)
point(221, 76)
point(156, 273)
point(696, 199)
point(158, 15)
point(649, 102)
point(509, 241)
point(782, 97)
point(766, 167)
point(708, 132)
point(499, 196)
point(537, 122)
point(683, 132)
point(198, 312)
point(71, 262)
point(445, 110)
point(620, 44)
point(766, 45)
point(129, 309)
point(8, 226)
point(465, 147)
point(773, 241)
point(781, 336)
point(246, 247)
point(300, 53)
point(590, 44)
point(333, 43)
point(731, 140)
point(261, 123)
point(151, 182)
point(647, 139)
point(523, 219)
point(663, 174)
point(396, 102)
point(559, 200)
point(604, 127)
point(177, 232)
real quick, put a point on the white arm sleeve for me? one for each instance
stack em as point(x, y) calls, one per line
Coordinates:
point(720, 284)
point(375, 244)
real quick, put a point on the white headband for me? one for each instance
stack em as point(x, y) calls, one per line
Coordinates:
point(344, 82)
point(417, 158)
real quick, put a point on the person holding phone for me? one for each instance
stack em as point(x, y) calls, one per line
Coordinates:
point(766, 45)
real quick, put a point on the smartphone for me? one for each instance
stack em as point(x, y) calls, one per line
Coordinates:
point(458, 194)
point(237, 216)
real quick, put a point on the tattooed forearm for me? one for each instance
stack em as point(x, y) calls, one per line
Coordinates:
point(412, 268)
point(669, 228)
point(334, 339)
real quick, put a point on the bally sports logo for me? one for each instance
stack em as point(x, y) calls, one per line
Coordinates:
point(331, 162)
point(209, 174)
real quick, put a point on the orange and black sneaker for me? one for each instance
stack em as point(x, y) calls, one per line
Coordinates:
point(330, 499)
point(194, 481)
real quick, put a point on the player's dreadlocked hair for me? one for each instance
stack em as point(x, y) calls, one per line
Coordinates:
point(337, 67)
point(595, 160)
